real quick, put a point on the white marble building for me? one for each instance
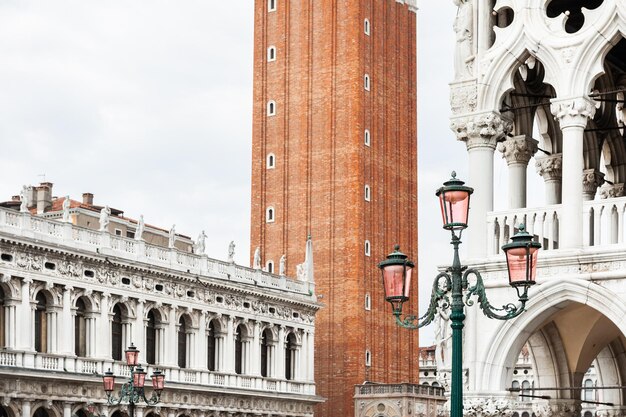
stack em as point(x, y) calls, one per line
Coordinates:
point(543, 83)
point(231, 341)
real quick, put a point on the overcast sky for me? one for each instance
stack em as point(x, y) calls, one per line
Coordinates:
point(148, 105)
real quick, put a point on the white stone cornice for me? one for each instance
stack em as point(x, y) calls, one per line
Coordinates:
point(550, 167)
point(573, 112)
point(518, 150)
point(481, 130)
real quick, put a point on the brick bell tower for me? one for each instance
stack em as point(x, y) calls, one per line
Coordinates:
point(335, 156)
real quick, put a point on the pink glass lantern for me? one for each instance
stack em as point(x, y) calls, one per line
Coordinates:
point(397, 271)
point(454, 198)
point(139, 377)
point(132, 355)
point(108, 380)
point(521, 258)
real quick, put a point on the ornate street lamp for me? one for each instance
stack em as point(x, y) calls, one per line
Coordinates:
point(452, 289)
point(133, 390)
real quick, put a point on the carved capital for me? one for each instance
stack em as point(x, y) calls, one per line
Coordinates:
point(556, 408)
point(592, 179)
point(573, 112)
point(550, 167)
point(482, 130)
point(518, 150)
point(487, 407)
point(612, 190)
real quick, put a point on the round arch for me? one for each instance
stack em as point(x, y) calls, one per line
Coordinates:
point(547, 300)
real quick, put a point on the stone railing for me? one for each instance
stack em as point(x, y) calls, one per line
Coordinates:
point(603, 224)
point(373, 389)
point(42, 363)
point(55, 232)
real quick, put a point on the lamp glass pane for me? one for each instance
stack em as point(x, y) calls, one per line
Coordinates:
point(139, 379)
point(393, 277)
point(132, 356)
point(158, 380)
point(109, 382)
point(454, 207)
point(517, 262)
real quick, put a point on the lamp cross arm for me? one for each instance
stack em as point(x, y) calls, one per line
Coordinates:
point(438, 300)
point(506, 312)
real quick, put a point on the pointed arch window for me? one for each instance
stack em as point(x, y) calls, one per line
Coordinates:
point(271, 5)
point(366, 137)
point(366, 82)
point(366, 26)
point(368, 358)
point(367, 192)
point(368, 249)
point(116, 334)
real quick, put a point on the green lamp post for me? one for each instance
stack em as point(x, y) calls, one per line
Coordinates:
point(133, 390)
point(453, 288)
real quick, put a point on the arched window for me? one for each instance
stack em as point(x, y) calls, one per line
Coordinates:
point(271, 5)
point(41, 324)
point(366, 82)
point(211, 347)
point(367, 248)
point(271, 53)
point(266, 356)
point(435, 384)
point(271, 108)
point(41, 412)
point(368, 302)
point(3, 325)
point(367, 137)
point(269, 215)
point(269, 267)
point(588, 392)
point(368, 358)
point(425, 383)
point(525, 386)
point(525, 414)
point(515, 414)
point(80, 329)
point(151, 339)
point(270, 161)
point(116, 334)
point(182, 343)
point(515, 385)
point(239, 350)
point(290, 357)
point(3, 412)
point(366, 27)
point(367, 192)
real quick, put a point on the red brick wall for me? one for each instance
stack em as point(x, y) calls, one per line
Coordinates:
point(322, 166)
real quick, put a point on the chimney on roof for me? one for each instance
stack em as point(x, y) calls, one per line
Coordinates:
point(44, 197)
point(88, 199)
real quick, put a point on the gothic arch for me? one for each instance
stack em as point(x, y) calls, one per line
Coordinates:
point(547, 299)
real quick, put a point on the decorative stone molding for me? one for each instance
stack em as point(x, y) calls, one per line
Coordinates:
point(550, 167)
point(487, 407)
point(556, 408)
point(612, 190)
point(606, 411)
point(482, 130)
point(518, 150)
point(463, 97)
point(592, 179)
point(573, 112)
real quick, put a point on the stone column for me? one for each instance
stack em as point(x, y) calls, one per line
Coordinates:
point(280, 354)
point(480, 132)
point(201, 345)
point(517, 151)
point(139, 331)
point(67, 409)
point(229, 348)
point(255, 353)
point(25, 339)
point(171, 336)
point(103, 348)
point(10, 329)
point(550, 168)
point(311, 356)
point(25, 408)
point(67, 324)
point(572, 115)
point(592, 179)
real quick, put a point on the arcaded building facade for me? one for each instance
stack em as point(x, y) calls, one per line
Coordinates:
point(334, 157)
point(232, 341)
